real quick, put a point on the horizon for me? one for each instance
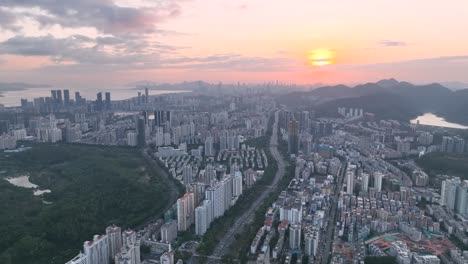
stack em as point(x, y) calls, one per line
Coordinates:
point(89, 43)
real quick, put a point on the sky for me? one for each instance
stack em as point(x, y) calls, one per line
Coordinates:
point(90, 43)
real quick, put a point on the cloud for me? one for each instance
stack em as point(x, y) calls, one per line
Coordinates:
point(82, 49)
point(391, 43)
point(103, 15)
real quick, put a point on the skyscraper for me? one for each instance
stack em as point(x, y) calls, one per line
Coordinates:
point(448, 194)
point(97, 251)
point(203, 217)
point(187, 174)
point(378, 176)
point(108, 101)
point(146, 95)
point(59, 98)
point(99, 102)
point(365, 182)
point(209, 146)
point(185, 211)
point(77, 98)
point(293, 136)
point(349, 182)
point(141, 131)
point(66, 97)
point(295, 236)
point(114, 237)
point(305, 121)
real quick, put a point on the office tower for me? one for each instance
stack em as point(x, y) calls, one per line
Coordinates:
point(169, 232)
point(237, 184)
point(461, 202)
point(203, 217)
point(79, 259)
point(77, 98)
point(365, 182)
point(114, 237)
point(98, 103)
point(185, 211)
point(24, 103)
point(447, 144)
point(293, 137)
point(209, 146)
point(141, 131)
point(216, 195)
point(378, 181)
point(349, 182)
point(139, 98)
point(59, 98)
point(108, 101)
point(53, 95)
point(97, 250)
point(448, 192)
point(295, 236)
point(305, 121)
point(66, 97)
point(187, 174)
point(146, 95)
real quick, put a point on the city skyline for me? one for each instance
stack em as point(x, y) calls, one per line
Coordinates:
point(113, 43)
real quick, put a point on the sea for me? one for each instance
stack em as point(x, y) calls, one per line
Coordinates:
point(13, 98)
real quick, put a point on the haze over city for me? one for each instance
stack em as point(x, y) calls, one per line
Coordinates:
point(113, 43)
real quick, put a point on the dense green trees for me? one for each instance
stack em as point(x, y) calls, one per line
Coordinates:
point(445, 163)
point(92, 187)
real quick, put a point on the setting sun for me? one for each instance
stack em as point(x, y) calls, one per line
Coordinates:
point(321, 57)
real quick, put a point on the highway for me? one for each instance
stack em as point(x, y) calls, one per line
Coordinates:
point(223, 246)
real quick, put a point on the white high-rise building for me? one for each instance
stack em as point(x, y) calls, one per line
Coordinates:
point(378, 176)
point(209, 152)
point(228, 191)
point(448, 192)
point(187, 174)
point(203, 217)
point(114, 236)
point(169, 232)
point(97, 251)
point(132, 139)
point(349, 182)
point(365, 182)
point(237, 184)
point(216, 195)
point(295, 236)
point(461, 202)
point(185, 211)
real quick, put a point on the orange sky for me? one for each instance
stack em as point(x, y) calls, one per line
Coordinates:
point(230, 41)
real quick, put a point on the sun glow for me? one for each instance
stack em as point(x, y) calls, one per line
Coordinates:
point(321, 57)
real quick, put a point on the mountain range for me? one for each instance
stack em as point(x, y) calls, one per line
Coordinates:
point(387, 99)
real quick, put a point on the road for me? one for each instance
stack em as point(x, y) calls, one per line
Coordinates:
point(223, 246)
point(326, 249)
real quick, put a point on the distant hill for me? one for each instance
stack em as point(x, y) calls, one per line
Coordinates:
point(388, 99)
point(16, 86)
